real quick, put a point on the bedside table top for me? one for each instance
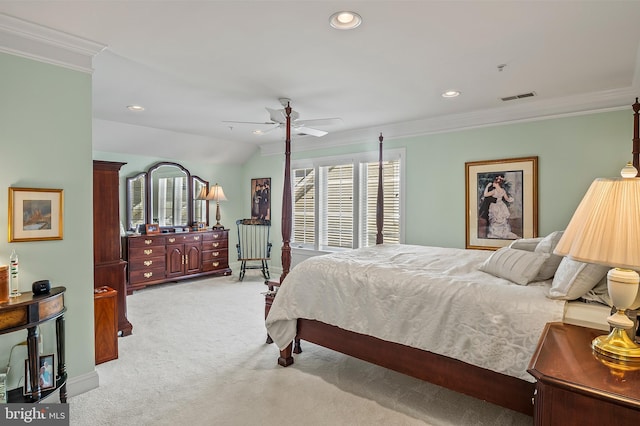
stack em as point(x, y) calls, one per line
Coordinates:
point(564, 358)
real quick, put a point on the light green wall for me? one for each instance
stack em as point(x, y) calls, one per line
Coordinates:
point(571, 152)
point(45, 133)
point(45, 122)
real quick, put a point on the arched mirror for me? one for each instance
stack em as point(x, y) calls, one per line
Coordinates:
point(200, 204)
point(169, 195)
point(136, 201)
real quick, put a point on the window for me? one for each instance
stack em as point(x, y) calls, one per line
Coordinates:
point(334, 202)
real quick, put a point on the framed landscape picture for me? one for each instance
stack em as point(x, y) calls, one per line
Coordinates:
point(501, 202)
point(35, 214)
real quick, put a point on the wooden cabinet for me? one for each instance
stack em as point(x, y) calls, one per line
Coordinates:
point(105, 314)
point(155, 259)
point(183, 254)
point(575, 386)
point(109, 269)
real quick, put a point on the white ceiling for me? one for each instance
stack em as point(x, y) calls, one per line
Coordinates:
point(195, 64)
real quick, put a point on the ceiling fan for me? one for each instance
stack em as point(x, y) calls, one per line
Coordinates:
point(278, 120)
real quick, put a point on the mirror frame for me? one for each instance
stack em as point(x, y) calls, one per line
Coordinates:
point(197, 179)
point(148, 181)
point(130, 179)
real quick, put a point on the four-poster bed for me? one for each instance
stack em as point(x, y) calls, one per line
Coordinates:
point(489, 384)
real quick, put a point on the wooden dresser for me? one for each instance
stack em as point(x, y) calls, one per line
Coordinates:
point(156, 259)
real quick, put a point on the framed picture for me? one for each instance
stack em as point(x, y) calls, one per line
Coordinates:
point(46, 377)
point(261, 198)
point(152, 228)
point(35, 214)
point(501, 202)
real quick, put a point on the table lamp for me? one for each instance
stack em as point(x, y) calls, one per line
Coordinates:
point(605, 229)
point(217, 194)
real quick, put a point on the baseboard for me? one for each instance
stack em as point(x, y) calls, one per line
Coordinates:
point(76, 386)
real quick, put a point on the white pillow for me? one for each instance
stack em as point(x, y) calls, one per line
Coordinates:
point(574, 279)
point(547, 245)
point(519, 266)
point(528, 244)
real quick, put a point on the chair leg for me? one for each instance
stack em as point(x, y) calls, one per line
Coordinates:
point(243, 267)
point(265, 270)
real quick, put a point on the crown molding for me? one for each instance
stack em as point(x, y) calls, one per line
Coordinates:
point(527, 110)
point(33, 41)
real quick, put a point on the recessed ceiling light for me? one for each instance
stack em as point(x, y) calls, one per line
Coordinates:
point(345, 20)
point(137, 108)
point(451, 94)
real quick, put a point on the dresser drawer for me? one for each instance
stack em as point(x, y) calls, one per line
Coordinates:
point(147, 263)
point(146, 252)
point(183, 239)
point(145, 242)
point(145, 275)
point(215, 245)
point(215, 235)
point(212, 265)
point(208, 255)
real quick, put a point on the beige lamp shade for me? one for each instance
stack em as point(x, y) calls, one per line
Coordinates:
point(605, 228)
point(216, 193)
point(202, 195)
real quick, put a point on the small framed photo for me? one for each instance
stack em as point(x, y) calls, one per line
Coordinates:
point(201, 226)
point(501, 202)
point(152, 228)
point(35, 214)
point(46, 376)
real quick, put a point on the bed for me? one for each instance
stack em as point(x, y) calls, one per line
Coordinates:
point(486, 308)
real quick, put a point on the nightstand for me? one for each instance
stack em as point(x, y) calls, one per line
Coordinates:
point(577, 387)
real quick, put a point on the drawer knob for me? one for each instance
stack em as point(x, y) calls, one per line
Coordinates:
point(215, 253)
point(172, 240)
point(215, 264)
point(216, 235)
point(216, 244)
point(148, 252)
point(148, 262)
point(196, 238)
point(148, 274)
point(147, 242)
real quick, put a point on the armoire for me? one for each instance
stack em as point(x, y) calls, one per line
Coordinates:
point(109, 269)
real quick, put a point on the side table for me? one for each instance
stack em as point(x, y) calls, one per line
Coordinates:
point(576, 386)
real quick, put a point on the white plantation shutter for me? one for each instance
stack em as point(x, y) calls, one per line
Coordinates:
point(336, 210)
point(391, 202)
point(304, 215)
point(334, 202)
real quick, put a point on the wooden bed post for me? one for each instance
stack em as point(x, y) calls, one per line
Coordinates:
point(380, 199)
point(636, 137)
point(286, 201)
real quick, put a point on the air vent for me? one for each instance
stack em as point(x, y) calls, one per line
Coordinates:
point(523, 95)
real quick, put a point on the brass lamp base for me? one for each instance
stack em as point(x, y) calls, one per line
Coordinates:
point(617, 345)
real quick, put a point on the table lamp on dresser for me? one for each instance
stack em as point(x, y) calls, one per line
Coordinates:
point(605, 229)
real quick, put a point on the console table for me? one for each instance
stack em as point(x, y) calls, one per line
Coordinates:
point(27, 312)
point(575, 386)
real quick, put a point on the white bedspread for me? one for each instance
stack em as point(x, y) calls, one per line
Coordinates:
point(431, 298)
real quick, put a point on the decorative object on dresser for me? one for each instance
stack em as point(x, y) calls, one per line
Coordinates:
point(156, 259)
point(604, 229)
point(575, 386)
point(109, 269)
point(217, 194)
point(254, 245)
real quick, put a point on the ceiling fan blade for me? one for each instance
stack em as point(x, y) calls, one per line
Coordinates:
point(309, 131)
point(249, 122)
point(320, 122)
point(279, 115)
point(271, 129)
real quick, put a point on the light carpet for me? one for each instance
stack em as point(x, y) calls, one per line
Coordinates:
point(197, 356)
